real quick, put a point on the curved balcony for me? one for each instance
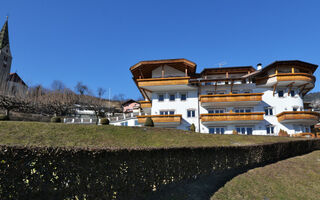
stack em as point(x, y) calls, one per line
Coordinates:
point(284, 79)
point(304, 117)
point(242, 99)
point(228, 118)
point(162, 120)
point(160, 84)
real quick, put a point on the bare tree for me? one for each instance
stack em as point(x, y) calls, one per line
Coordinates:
point(119, 97)
point(80, 88)
point(101, 92)
point(58, 85)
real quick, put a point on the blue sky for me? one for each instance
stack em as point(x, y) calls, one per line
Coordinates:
point(96, 41)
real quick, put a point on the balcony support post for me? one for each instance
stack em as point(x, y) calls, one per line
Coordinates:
point(274, 88)
point(290, 87)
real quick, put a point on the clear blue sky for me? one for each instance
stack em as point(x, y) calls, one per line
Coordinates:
point(96, 41)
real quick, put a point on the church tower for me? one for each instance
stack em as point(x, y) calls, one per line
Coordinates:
point(5, 56)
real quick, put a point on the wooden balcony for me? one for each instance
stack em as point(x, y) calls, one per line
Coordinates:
point(305, 117)
point(281, 79)
point(231, 117)
point(158, 84)
point(162, 120)
point(145, 104)
point(231, 99)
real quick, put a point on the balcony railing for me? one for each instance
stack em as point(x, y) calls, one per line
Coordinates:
point(309, 117)
point(298, 78)
point(250, 117)
point(231, 98)
point(161, 119)
point(163, 81)
point(145, 104)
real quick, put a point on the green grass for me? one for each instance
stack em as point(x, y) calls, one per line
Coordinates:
point(67, 135)
point(294, 178)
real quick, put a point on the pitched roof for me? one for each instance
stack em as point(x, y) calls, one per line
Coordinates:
point(4, 35)
point(14, 77)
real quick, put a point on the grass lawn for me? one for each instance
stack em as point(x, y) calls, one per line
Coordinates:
point(50, 134)
point(294, 178)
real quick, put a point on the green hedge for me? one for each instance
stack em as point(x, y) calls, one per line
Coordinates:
point(56, 120)
point(4, 118)
point(62, 173)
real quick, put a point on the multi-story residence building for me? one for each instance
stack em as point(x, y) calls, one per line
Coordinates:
point(10, 83)
point(251, 101)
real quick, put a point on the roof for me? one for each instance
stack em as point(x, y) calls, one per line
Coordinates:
point(145, 67)
point(4, 35)
point(14, 77)
point(129, 101)
point(311, 66)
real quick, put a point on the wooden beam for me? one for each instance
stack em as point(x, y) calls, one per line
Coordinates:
point(231, 87)
point(301, 86)
point(162, 72)
point(141, 73)
point(274, 88)
point(290, 87)
point(292, 70)
point(227, 74)
point(304, 86)
point(215, 87)
point(186, 72)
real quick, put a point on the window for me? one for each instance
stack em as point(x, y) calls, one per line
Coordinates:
point(209, 93)
point(220, 92)
point(307, 128)
point(191, 113)
point(167, 112)
point(247, 91)
point(235, 92)
point(172, 97)
point(216, 130)
point(124, 123)
point(292, 93)
point(280, 93)
point(244, 130)
point(207, 83)
point(136, 122)
point(294, 109)
point(268, 110)
point(161, 97)
point(183, 97)
point(242, 110)
point(216, 111)
point(270, 129)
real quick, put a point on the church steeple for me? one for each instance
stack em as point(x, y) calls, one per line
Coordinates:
point(4, 35)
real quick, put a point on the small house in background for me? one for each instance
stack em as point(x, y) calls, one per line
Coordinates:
point(131, 106)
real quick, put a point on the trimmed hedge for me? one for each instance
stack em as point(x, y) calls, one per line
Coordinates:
point(104, 121)
point(62, 173)
point(56, 120)
point(149, 122)
point(4, 118)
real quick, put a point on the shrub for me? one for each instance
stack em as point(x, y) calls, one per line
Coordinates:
point(4, 118)
point(149, 122)
point(193, 128)
point(234, 132)
point(56, 120)
point(283, 133)
point(104, 121)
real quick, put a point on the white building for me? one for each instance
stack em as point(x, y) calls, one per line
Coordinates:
point(223, 100)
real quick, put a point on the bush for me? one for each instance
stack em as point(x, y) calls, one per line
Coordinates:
point(4, 118)
point(104, 121)
point(56, 120)
point(193, 128)
point(283, 133)
point(234, 132)
point(149, 122)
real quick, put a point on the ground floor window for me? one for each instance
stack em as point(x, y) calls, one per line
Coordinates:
point(242, 110)
point(124, 123)
point(301, 129)
point(191, 113)
point(136, 122)
point(216, 130)
point(244, 130)
point(270, 129)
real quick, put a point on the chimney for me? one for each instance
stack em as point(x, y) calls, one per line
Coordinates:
point(259, 66)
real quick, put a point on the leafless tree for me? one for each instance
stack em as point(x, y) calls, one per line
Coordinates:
point(101, 92)
point(119, 97)
point(82, 89)
point(58, 85)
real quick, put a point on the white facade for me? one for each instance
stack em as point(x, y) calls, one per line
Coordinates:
point(252, 102)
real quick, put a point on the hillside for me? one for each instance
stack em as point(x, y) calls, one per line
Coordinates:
point(68, 135)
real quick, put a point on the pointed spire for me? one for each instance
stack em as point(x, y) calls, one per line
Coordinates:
point(4, 35)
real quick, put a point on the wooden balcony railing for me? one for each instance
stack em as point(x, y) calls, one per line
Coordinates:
point(163, 81)
point(175, 119)
point(292, 116)
point(229, 117)
point(145, 104)
point(255, 97)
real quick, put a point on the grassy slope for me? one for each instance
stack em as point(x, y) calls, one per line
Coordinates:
point(46, 134)
point(294, 178)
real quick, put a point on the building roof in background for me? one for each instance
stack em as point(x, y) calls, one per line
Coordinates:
point(129, 101)
point(14, 77)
